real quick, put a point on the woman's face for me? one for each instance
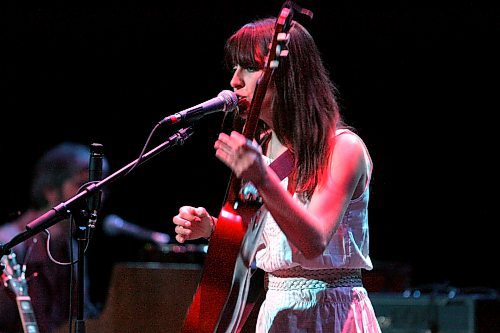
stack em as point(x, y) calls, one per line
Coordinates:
point(244, 82)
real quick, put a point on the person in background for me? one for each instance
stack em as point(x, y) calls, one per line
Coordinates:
point(58, 176)
point(315, 241)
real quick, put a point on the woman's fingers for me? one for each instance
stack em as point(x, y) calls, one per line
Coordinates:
point(186, 216)
point(180, 239)
point(180, 230)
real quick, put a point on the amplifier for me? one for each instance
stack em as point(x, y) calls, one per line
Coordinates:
point(436, 313)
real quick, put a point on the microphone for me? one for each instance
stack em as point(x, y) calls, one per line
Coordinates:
point(225, 101)
point(95, 175)
point(113, 225)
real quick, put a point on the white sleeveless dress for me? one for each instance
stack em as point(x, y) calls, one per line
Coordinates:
point(323, 294)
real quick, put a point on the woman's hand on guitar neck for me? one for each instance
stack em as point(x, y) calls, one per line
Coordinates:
point(193, 223)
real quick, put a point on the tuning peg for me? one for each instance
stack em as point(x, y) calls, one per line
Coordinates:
point(283, 37)
point(278, 50)
point(23, 271)
point(5, 278)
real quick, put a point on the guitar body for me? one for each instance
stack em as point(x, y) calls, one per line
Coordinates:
point(221, 294)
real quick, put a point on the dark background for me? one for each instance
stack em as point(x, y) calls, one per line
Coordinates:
point(416, 78)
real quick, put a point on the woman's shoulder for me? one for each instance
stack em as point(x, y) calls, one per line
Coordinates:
point(352, 145)
point(345, 136)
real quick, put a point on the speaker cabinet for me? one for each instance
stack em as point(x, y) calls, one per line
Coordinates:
point(437, 314)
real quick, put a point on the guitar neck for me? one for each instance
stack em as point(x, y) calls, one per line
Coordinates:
point(27, 314)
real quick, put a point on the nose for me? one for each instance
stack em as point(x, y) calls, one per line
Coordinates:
point(237, 81)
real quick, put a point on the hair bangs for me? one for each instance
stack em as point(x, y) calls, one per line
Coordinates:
point(248, 47)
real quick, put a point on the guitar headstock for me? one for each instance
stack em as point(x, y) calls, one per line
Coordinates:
point(13, 275)
point(278, 47)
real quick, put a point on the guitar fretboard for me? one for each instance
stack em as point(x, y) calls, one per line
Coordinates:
point(27, 314)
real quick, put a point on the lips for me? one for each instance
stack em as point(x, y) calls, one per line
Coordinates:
point(243, 105)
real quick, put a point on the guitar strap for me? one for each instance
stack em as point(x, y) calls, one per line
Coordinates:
point(283, 164)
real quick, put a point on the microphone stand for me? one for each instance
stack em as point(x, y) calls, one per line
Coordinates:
point(85, 221)
point(82, 220)
point(75, 204)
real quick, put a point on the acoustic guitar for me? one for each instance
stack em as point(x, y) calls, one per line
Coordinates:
point(220, 298)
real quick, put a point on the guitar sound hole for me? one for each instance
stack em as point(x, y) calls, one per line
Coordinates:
point(249, 194)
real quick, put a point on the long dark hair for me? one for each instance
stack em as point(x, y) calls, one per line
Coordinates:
point(305, 110)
